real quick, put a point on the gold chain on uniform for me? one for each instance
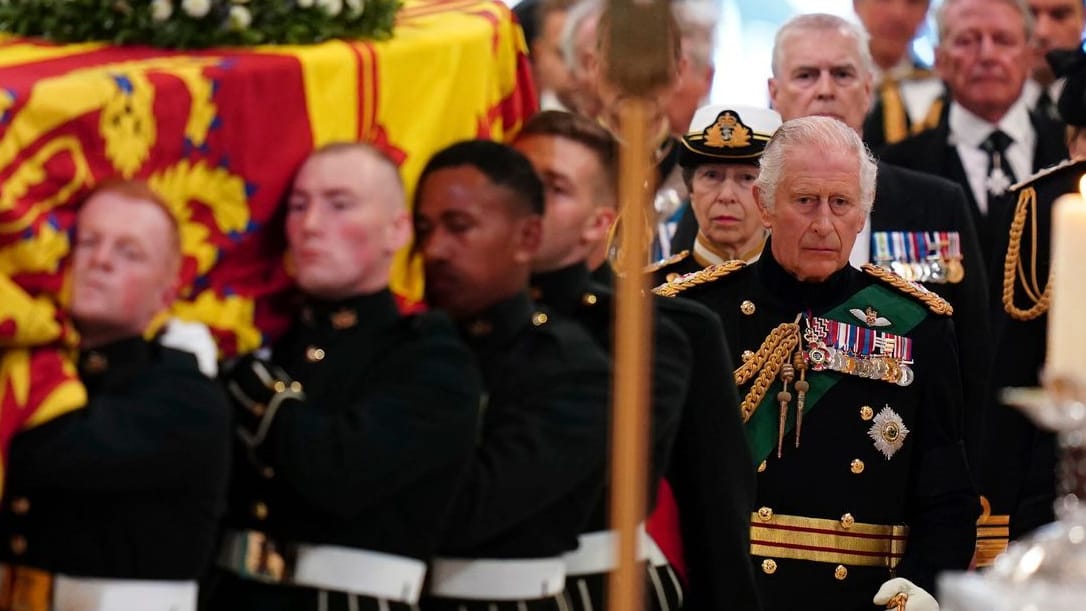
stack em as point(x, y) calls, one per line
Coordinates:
point(1012, 264)
point(774, 352)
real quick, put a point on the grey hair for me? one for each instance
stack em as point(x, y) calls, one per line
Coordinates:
point(577, 15)
point(1019, 5)
point(821, 135)
point(697, 21)
point(821, 22)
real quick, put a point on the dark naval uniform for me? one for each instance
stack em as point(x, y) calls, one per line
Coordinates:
point(538, 470)
point(130, 487)
point(343, 502)
point(570, 293)
point(878, 485)
point(1019, 479)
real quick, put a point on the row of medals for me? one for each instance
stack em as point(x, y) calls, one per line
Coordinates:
point(885, 368)
point(937, 270)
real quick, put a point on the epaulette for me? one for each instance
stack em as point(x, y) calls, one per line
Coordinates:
point(1048, 171)
point(652, 268)
point(916, 290)
point(703, 276)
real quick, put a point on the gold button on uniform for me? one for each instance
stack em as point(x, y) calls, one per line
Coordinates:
point(539, 318)
point(866, 413)
point(96, 362)
point(748, 354)
point(267, 472)
point(314, 354)
point(20, 506)
point(840, 573)
point(260, 510)
point(747, 307)
point(847, 521)
point(589, 299)
point(769, 566)
point(857, 466)
point(761, 467)
point(765, 514)
point(671, 277)
point(18, 545)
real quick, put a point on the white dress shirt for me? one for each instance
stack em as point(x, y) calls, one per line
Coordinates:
point(968, 132)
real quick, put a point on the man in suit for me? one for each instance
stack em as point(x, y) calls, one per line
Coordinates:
point(1057, 24)
point(907, 92)
point(989, 139)
point(116, 505)
point(822, 67)
point(352, 437)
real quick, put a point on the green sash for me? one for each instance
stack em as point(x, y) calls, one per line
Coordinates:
point(902, 312)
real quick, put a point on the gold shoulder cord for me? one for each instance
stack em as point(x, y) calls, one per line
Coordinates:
point(774, 352)
point(713, 272)
point(934, 302)
point(1013, 268)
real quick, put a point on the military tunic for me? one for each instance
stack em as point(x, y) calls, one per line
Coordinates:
point(569, 293)
point(130, 487)
point(371, 458)
point(539, 465)
point(849, 476)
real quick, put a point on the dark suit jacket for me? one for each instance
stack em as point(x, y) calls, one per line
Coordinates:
point(930, 152)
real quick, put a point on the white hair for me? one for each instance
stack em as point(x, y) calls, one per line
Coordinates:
point(577, 15)
point(697, 21)
point(822, 22)
point(820, 135)
point(1019, 5)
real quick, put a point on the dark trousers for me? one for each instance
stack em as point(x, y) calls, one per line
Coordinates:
point(558, 602)
point(663, 592)
point(228, 592)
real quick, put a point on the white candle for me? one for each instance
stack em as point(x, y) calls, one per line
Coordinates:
point(1066, 358)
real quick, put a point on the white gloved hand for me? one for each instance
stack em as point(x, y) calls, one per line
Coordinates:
point(196, 339)
point(918, 598)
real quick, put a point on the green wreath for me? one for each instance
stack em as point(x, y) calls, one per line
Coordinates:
point(188, 24)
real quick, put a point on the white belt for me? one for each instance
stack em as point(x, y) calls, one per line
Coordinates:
point(597, 552)
point(84, 594)
point(494, 579)
point(327, 567)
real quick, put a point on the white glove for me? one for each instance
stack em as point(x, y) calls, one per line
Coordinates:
point(918, 598)
point(194, 338)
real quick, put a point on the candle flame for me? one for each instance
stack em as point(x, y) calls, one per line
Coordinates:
point(1082, 186)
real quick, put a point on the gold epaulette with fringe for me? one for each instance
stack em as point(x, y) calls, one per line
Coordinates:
point(704, 276)
point(652, 268)
point(916, 290)
point(1045, 172)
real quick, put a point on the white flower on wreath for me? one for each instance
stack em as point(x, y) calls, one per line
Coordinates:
point(240, 17)
point(332, 7)
point(196, 8)
point(161, 10)
point(305, 3)
point(355, 7)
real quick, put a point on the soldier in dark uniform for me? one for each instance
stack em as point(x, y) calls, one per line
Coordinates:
point(852, 393)
point(719, 156)
point(1020, 480)
point(708, 469)
point(575, 159)
point(355, 433)
point(538, 469)
point(115, 505)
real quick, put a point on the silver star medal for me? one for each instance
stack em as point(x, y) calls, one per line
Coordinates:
point(888, 432)
point(997, 182)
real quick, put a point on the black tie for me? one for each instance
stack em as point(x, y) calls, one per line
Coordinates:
point(1000, 175)
point(1046, 106)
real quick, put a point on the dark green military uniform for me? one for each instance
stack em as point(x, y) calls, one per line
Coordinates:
point(1019, 479)
point(133, 485)
point(569, 292)
point(539, 465)
point(368, 460)
point(879, 469)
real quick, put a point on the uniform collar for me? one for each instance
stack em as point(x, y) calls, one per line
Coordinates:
point(815, 296)
point(95, 364)
point(562, 290)
point(500, 323)
point(374, 310)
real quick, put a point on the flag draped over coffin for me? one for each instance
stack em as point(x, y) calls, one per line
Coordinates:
point(218, 134)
